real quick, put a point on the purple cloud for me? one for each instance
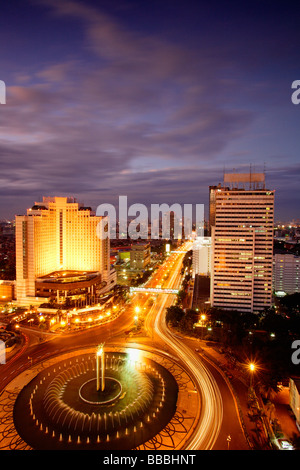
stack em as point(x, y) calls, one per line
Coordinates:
point(134, 112)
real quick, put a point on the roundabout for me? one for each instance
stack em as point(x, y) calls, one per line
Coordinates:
point(63, 408)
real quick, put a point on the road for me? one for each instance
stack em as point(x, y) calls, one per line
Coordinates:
point(217, 401)
point(211, 413)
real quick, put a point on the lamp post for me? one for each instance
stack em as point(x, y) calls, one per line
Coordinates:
point(252, 369)
point(203, 318)
point(100, 356)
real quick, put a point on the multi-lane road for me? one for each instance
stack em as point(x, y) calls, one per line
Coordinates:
point(211, 413)
point(217, 417)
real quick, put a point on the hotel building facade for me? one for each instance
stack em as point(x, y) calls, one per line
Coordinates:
point(242, 244)
point(58, 252)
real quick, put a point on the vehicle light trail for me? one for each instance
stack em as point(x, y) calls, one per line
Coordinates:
point(211, 413)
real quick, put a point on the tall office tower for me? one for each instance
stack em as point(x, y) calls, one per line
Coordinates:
point(286, 273)
point(212, 204)
point(58, 251)
point(242, 242)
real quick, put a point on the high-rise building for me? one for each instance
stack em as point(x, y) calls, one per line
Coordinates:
point(286, 273)
point(59, 252)
point(242, 244)
point(212, 204)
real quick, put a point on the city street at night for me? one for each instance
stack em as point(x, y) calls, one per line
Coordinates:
point(149, 232)
point(212, 397)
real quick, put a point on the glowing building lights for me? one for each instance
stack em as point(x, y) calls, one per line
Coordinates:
point(242, 244)
point(58, 236)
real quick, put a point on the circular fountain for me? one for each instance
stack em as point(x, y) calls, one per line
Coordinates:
point(104, 401)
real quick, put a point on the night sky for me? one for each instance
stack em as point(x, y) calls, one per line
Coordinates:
point(152, 99)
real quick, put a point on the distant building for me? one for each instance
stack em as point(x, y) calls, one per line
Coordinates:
point(201, 256)
point(7, 228)
point(294, 398)
point(140, 256)
point(58, 252)
point(7, 291)
point(242, 244)
point(286, 273)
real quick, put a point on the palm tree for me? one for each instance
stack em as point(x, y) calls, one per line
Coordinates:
point(270, 410)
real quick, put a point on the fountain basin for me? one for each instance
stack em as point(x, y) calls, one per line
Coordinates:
point(61, 409)
point(89, 394)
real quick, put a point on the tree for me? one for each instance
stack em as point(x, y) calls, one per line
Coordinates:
point(273, 322)
point(291, 302)
point(186, 323)
point(174, 314)
point(270, 410)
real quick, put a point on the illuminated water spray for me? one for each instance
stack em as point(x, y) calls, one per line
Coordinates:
point(100, 368)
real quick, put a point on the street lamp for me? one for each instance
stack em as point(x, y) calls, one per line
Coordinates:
point(202, 323)
point(252, 369)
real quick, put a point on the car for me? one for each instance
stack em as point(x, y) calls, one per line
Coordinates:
point(285, 444)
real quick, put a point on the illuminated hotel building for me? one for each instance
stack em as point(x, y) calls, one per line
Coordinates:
point(242, 244)
point(58, 252)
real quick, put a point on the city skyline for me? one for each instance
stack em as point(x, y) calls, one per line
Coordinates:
point(149, 100)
